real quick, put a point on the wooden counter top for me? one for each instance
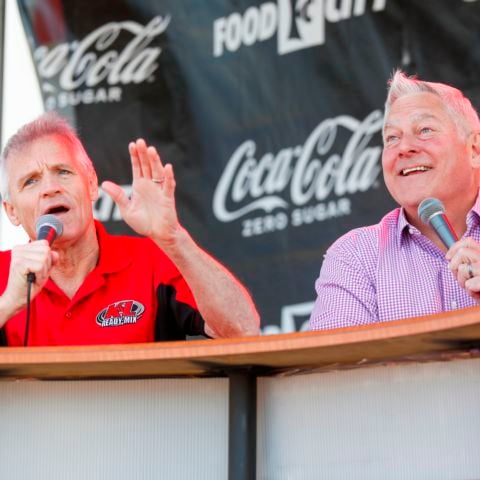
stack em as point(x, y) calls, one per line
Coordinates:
point(402, 340)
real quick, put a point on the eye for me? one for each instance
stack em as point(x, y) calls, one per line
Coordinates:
point(29, 181)
point(64, 171)
point(426, 130)
point(391, 139)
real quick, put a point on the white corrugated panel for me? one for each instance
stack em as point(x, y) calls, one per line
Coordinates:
point(417, 421)
point(130, 429)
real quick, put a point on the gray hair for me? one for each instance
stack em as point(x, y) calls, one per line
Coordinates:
point(50, 123)
point(457, 105)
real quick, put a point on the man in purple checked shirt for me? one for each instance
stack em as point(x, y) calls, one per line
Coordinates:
point(399, 268)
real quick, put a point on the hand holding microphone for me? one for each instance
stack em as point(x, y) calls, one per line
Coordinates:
point(49, 228)
point(27, 259)
point(463, 255)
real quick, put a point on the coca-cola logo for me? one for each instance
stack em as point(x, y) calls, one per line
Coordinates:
point(313, 177)
point(71, 73)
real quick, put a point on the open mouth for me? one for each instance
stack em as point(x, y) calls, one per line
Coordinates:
point(57, 209)
point(418, 169)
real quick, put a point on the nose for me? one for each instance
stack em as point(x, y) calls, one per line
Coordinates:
point(407, 145)
point(50, 185)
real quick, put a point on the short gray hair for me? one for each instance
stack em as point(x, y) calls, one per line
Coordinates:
point(457, 105)
point(50, 123)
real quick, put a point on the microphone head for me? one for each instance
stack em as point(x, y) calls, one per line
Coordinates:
point(44, 222)
point(428, 208)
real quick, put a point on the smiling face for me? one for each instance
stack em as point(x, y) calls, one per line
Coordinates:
point(47, 176)
point(425, 155)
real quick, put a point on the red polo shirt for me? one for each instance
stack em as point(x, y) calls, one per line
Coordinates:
point(134, 294)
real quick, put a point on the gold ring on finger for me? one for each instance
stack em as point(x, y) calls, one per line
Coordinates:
point(470, 271)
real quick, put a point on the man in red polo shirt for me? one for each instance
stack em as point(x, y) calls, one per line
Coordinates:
point(94, 288)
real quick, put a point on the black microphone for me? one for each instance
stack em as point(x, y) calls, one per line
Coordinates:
point(431, 211)
point(49, 228)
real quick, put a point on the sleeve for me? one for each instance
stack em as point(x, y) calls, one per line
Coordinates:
point(177, 316)
point(346, 290)
point(4, 271)
point(3, 338)
point(177, 313)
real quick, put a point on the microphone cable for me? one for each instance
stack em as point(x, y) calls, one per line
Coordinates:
point(30, 280)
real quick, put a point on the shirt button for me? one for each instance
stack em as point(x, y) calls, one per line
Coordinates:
point(454, 304)
point(411, 231)
point(68, 314)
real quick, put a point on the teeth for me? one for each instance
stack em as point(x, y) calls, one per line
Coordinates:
point(406, 171)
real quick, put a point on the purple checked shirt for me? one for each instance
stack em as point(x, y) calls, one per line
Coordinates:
point(386, 272)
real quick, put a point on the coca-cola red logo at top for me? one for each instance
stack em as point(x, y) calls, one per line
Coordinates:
point(93, 69)
point(302, 184)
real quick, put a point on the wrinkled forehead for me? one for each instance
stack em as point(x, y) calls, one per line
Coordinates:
point(416, 107)
point(415, 118)
point(46, 149)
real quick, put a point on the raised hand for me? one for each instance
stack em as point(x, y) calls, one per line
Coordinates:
point(150, 210)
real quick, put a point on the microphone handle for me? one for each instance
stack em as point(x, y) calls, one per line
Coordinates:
point(444, 230)
point(46, 232)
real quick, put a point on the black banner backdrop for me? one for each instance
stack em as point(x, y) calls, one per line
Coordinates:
point(270, 113)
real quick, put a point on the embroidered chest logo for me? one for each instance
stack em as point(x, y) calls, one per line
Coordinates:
point(120, 313)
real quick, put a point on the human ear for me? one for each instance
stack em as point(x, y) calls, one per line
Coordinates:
point(93, 186)
point(11, 213)
point(474, 147)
